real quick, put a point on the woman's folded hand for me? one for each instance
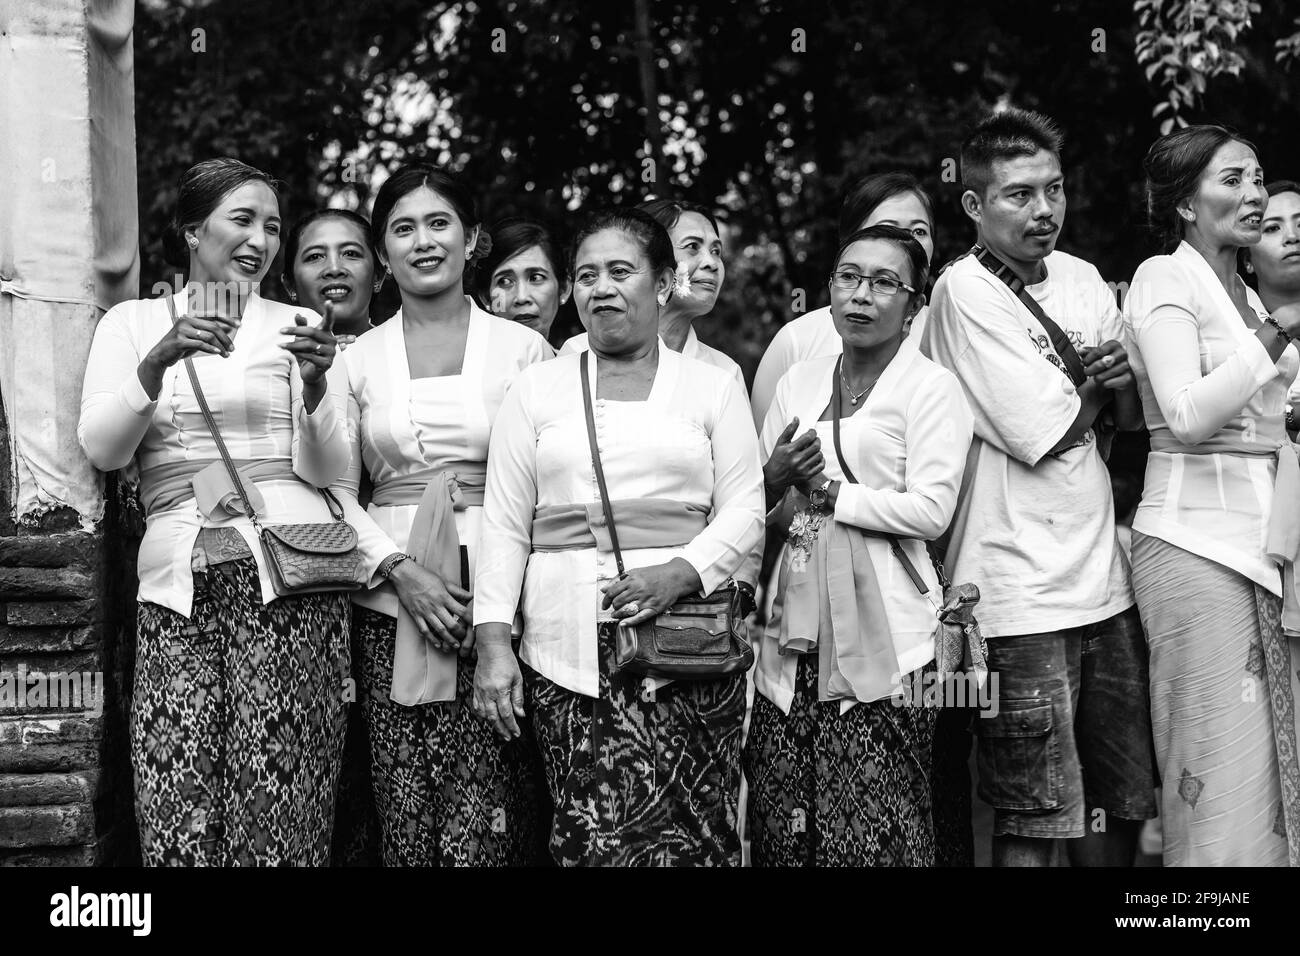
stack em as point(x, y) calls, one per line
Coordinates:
point(440, 609)
point(641, 593)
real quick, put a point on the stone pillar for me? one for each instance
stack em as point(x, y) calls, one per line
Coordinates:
point(68, 252)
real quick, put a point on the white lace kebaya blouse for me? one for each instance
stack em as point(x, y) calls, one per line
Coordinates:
point(256, 398)
point(690, 441)
point(402, 426)
point(1214, 401)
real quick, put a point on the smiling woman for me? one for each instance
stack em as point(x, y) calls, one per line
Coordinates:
point(328, 258)
point(680, 462)
point(228, 770)
point(699, 272)
point(424, 390)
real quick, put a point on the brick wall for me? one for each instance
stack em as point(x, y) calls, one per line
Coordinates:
point(66, 607)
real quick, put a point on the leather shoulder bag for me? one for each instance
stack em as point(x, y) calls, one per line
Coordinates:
point(301, 558)
point(958, 644)
point(698, 638)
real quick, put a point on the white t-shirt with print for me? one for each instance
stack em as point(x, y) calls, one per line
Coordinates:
point(1035, 531)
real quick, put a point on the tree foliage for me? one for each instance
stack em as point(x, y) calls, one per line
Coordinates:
point(764, 109)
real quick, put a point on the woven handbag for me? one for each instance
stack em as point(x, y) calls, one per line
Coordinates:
point(698, 638)
point(303, 558)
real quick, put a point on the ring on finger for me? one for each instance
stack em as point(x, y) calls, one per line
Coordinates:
point(319, 348)
point(630, 608)
point(1108, 360)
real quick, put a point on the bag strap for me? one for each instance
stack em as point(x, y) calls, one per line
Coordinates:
point(1060, 341)
point(231, 470)
point(895, 545)
point(335, 508)
point(595, 460)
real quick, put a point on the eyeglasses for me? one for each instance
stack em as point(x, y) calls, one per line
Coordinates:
point(850, 281)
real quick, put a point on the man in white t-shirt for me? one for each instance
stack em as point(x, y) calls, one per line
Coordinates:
point(1035, 526)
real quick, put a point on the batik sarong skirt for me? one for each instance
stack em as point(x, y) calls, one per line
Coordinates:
point(448, 790)
point(237, 723)
point(832, 789)
point(641, 776)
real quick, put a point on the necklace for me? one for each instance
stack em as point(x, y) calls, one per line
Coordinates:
point(854, 399)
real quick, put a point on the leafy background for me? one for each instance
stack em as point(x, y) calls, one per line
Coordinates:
point(765, 110)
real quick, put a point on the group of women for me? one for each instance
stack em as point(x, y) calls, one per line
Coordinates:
point(492, 725)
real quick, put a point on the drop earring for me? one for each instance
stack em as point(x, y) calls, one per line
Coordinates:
point(293, 296)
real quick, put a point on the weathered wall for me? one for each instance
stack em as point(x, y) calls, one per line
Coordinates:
point(68, 251)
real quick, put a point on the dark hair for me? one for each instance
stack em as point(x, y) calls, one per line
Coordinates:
point(1280, 186)
point(412, 176)
point(668, 211)
point(1007, 134)
point(648, 232)
point(1173, 166)
point(868, 193)
point(513, 236)
point(200, 191)
point(899, 237)
point(294, 239)
point(1275, 188)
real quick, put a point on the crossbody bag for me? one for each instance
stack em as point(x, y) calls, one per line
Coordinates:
point(304, 557)
point(698, 638)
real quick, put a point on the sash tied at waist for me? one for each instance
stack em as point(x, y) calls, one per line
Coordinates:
point(1282, 544)
point(167, 485)
point(422, 674)
point(641, 522)
point(829, 602)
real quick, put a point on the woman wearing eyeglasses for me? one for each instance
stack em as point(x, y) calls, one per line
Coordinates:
point(838, 759)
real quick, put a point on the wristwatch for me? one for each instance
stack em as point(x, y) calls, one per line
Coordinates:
point(820, 495)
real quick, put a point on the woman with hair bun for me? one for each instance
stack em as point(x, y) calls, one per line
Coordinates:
point(641, 771)
point(328, 258)
point(525, 278)
point(237, 712)
point(329, 263)
point(1214, 536)
point(697, 282)
point(425, 387)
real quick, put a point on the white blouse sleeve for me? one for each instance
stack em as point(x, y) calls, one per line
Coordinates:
point(770, 431)
point(1164, 326)
point(776, 361)
point(719, 550)
point(939, 430)
point(510, 499)
point(115, 410)
point(319, 448)
point(373, 543)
